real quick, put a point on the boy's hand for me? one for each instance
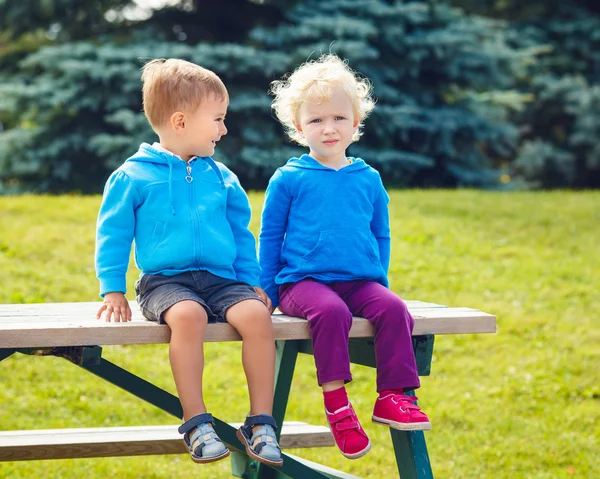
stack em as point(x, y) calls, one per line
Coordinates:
point(261, 293)
point(115, 304)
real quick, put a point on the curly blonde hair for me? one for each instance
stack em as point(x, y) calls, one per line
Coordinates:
point(315, 82)
point(177, 85)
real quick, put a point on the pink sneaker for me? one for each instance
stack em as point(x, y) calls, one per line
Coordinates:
point(399, 412)
point(350, 437)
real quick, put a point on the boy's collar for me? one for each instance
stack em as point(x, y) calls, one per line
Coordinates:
point(159, 147)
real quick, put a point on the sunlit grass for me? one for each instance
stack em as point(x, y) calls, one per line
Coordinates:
point(523, 403)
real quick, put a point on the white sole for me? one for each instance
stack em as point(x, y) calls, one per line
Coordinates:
point(401, 426)
point(358, 454)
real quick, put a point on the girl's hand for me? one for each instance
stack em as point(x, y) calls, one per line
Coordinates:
point(261, 293)
point(115, 304)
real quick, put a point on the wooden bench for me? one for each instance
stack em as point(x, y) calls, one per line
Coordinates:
point(130, 441)
point(70, 330)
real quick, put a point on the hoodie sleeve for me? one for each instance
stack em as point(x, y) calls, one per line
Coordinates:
point(272, 233)
point(238, 215)
point(380, 227)
point(114, 232)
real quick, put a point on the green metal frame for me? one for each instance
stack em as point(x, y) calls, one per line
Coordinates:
point(409, 446)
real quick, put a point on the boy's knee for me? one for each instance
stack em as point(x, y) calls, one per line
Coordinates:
point(186, 314)
point(250, 311)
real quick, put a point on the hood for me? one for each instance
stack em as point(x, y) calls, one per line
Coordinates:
point(147, 154)
point(309, 163)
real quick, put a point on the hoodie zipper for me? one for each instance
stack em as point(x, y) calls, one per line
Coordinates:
point(189, 178)
point(196, 223)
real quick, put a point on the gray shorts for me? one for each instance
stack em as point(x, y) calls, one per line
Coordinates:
point(157, 293)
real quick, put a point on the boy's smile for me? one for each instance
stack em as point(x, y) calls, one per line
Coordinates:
point(204, 128)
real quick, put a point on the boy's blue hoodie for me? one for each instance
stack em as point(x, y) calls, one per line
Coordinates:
point(181, 216)
point(324, 224)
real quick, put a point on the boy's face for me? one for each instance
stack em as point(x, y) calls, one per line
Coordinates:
point(204, 127)
point(328, 128)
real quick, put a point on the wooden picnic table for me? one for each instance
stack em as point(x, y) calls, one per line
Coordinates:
point(70, 330)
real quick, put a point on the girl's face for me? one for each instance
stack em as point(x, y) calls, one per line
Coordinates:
point(328, 127)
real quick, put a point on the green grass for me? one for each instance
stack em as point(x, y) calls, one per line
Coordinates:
point(522, 403)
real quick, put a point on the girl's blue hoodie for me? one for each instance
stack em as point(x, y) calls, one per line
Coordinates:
point(329, 225)
point(181, 216)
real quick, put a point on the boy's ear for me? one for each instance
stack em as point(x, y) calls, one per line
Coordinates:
point(298, 127)
point(356, 122)
point(178, 121)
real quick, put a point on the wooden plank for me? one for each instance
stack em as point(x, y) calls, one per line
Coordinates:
point(129, 441)
point(87, 316)
point(90, 308)
point(79, 327)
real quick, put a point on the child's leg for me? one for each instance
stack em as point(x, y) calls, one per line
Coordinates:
point(173, 300)
point(252, 320)
point(394, 355)
point(393, 324)
point(330, 321)
point(187, 320)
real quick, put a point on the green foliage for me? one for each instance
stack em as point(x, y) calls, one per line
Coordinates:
point(430, 127)
point(558, 127)
point(65, 18)
point(521, 403)
point(561, 147)
point(81, 117)
point(73, 110)
point(561, 126)
point(461, 99)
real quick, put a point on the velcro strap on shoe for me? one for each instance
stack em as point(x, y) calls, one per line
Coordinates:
point(408, 401)
point(260, 419)
point(343, 426)
point(195, 421)
point(338, 416)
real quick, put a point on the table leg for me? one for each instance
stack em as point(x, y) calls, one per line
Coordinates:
point(411, 454)
point(5, 353)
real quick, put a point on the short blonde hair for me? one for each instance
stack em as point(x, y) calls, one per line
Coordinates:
point(176, 85)
point(315, 81)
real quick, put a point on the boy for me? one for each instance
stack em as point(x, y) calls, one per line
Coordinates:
point(188, 217)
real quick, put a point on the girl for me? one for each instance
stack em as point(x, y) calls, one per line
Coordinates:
point(325, 248)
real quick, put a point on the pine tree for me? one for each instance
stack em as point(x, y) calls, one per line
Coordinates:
point(442, 81)
point(71, 109)
point(557, 146)
point(562, 124)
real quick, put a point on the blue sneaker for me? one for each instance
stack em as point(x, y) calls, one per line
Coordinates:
point(262, 444)
point(201, 439)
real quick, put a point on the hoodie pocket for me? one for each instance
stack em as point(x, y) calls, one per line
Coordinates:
point(342, 251)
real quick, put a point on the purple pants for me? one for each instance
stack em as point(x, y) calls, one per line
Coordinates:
point(329, 309)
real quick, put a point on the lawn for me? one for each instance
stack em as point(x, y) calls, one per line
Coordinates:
point(522, 403)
